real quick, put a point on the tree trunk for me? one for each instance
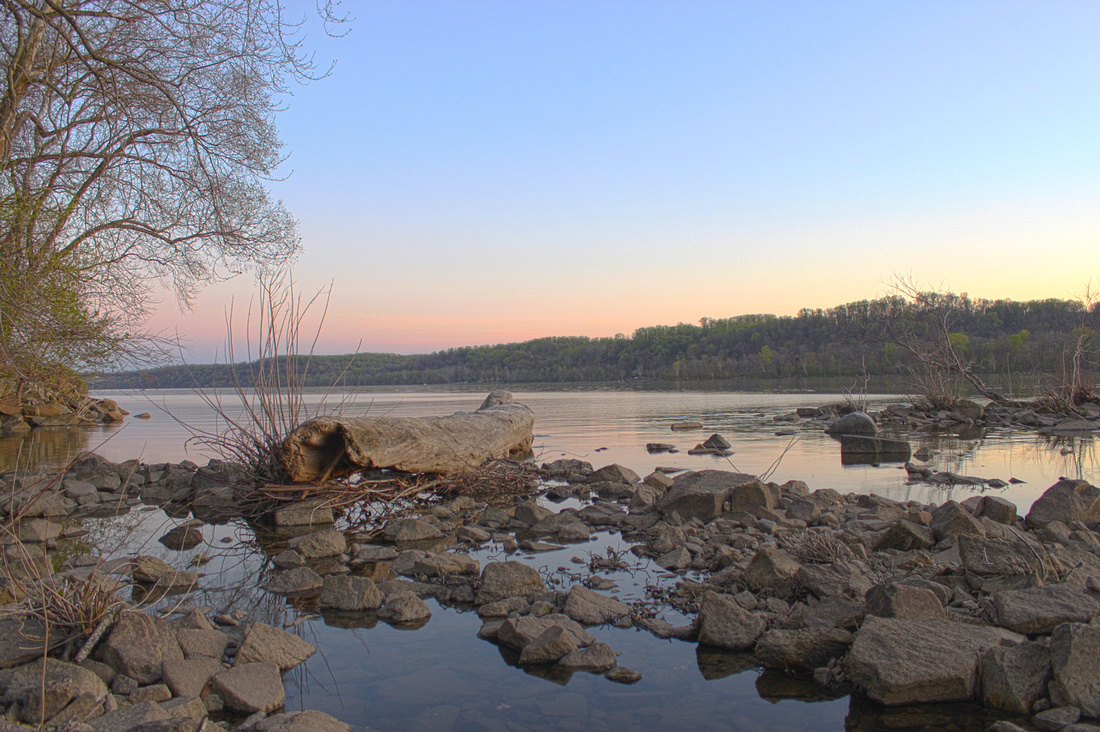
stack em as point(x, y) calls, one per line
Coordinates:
point(331, 447)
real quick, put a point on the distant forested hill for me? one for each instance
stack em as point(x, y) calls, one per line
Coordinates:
point(1001, 336)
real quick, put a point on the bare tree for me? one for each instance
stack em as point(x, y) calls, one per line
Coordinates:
point(136, 137)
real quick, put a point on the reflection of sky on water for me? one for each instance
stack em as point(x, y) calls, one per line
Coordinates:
point(442, 677)
point(606, 427)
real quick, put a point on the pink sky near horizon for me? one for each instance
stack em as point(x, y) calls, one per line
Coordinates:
point(496, 172)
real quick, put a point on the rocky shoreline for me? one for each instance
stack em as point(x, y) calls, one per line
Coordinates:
point(901, 603)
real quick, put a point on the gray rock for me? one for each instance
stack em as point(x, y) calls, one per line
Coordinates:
point(724, 624)
point(350, 593)
point(998, 509)
point(772, 569)
point(19, 642)
point(267, 644)
point(623, 675)
point(411, 530)
point(592, 608)
point(249, 688)
point(327, 543)
point(598, 657)
point(905, 602)
point(128, 717)
point(201, 643)
point(1054, 720)
point(1004, 557)
point(138, 644)
point(1041, 609)
point(518, 632)
point(614, 473)
point(46, 686)
point(1066, 501)
point(153, 692)
point(802, 650)
point(189, 677)
point(906, 661)
point(404, 607)
point(296, 582)
point(153, 571)
point(701, 494)
point(310, 512)
point(500, 580)
point(182, 538)
point(446, 564)
point(1075, 661)
point(551, 645)
point(951, 519)
point(1015, 677)
point(307, 721)
point(854, 423)
point(678, 558)
point(288, 559)
point(843, 579)
point(906, 536)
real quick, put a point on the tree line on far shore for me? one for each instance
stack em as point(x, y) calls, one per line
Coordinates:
point(867, 337)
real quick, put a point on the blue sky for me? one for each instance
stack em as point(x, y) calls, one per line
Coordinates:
point(485, 172)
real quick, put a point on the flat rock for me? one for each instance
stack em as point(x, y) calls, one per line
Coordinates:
point(310, 512)
point(500, 580)
point(295, 582)
point(803, 650)
point(326, 543)
point(267, 644)
point(350, 593)
point(249, 688)
point(906, 661)
point(411, 530)
point(701, 494)
point(724, 624)
point(138, 644)
point(307, 721)
point(1041, 609)
point(201, 643)
point(190, 676)
point(592, 608)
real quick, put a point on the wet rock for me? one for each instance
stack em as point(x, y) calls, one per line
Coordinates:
point(1041, 609)
point(1066, 501)
point(138, 644)
point(623, 675)
point(530, 513)
point(404, 607)
point(905, 602)
point(447, 564)
point(802, 650)
point(1075, 662)
point(592, 608)
point(182, 537)
point(905, 661)
point(296, 582)
point(319, 544)
point(249, 688)
point(724, 624)
point(307, 721)
point(500, 580)
point(349, 593)
point(854, 423)
point(310, 512)
point(288, 559)
point(411, 530)
point(1053, 720)
point(189, 677)
point(267, 644)
point(597, 657)
point(518, 632)
point(153, 571)
point(1015, 677)
point(551, 645)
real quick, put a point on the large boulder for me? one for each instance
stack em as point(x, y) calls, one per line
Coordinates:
point(1066, 501)
point(906, 661)
point(138, 644)
point(702, 494)
point(1075, 662)
point(801, 650)
point(725, 624)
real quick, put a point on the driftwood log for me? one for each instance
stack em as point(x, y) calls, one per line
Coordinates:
point(331, 447)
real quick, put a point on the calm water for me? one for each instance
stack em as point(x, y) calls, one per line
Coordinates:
point(440, 676)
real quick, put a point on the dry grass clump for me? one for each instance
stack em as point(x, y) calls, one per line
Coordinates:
point(815, 547)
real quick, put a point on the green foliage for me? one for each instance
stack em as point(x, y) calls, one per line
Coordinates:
point(815, 343)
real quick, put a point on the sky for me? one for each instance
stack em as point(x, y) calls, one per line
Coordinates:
point(477, 172)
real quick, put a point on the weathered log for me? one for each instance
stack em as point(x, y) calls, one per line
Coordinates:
point(330, 447)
